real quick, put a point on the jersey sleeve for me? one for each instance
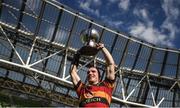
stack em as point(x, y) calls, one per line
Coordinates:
point(78, 87)
point(109, 83)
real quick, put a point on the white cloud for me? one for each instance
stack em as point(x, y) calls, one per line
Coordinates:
point(142, 13)
point(87, 6)
point(111, 22)
point(112, 1)
point(96, 2)
point(146, 31)
point(124, 4)
point(170, 9)
point(172, 13)
point(92, 6)
point(150, 34)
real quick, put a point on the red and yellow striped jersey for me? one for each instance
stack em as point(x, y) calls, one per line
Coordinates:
point(98, 95)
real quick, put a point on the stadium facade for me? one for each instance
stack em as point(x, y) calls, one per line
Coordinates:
point(38, 39)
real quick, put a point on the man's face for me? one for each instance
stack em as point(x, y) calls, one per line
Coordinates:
point(92, 75)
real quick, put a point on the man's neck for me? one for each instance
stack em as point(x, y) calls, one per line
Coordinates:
point(95, 83)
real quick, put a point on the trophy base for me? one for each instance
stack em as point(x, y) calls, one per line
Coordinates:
point(88, 51)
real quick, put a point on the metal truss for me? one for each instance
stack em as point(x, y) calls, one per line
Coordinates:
point(37, 92)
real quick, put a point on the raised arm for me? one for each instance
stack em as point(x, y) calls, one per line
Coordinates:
point(110, 62)
point(74, 76)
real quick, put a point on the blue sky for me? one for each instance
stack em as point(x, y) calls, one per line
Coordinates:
point(155, 21)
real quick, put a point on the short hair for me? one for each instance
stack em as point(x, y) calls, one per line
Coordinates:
point(98, 70)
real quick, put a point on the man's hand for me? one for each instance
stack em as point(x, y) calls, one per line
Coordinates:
point(99, 46)
point(76, 58)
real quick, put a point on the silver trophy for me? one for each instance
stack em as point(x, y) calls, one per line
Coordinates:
point(89, 38)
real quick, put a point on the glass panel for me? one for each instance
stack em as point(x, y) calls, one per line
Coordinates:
point(156, 61)
point(79, 26)
point(128, 62)
point(50, 13)
point(33, 7)
point(32, 81)
point(131, 87)
point(155, 68)
point(61, 36)
point(36, 55)
point(61, 89)
point(115, 105)
point(167, 95)
point(107, 39)
point(66, 21)
point(130, 54)
point(23, 51)
point(47, 85)
point(118, 88)
point(2, 72)
point(46, 30)
point(177, 98)
point(142, 59)
point(170, 71)
point(149, 100)
point(118, 49)
point(15, 76)
point(140, 65)
point(9, 16)
point(172, 58)
point(72, 93)
point(5, 51)
point(158, 56)
point(132, 48)
point(28, 23)
point(14, 3)
point(53, 64)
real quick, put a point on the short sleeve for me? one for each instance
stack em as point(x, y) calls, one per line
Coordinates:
point(78, 87)
point(109, 83)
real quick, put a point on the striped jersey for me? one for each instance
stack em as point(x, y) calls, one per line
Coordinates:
point(98, 95)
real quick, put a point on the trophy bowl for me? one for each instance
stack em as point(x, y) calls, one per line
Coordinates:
point(89, 38)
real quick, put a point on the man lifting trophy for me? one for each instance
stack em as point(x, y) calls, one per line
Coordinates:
point(97, 93)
